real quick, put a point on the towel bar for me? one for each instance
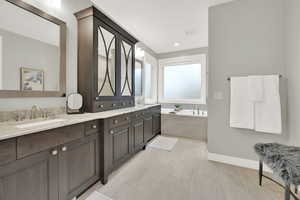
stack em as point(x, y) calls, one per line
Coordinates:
point(228, 79)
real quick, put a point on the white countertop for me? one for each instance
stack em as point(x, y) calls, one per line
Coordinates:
point(10, 130)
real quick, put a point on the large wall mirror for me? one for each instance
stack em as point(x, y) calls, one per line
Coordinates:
point(32, 52)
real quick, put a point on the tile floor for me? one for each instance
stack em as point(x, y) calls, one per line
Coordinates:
point(184, 174)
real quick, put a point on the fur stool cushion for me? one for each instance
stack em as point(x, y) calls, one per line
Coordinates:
point(282, 159)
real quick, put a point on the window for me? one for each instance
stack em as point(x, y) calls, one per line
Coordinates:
point(183, 80)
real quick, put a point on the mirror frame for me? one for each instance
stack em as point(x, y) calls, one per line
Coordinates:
point(62, 79)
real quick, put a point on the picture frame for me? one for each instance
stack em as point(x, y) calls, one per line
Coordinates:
point(32, 79)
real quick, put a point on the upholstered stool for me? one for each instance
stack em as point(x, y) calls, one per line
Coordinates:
point(284, 161)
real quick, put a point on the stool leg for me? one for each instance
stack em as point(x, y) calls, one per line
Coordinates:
point(260, 172)
point(287, 194)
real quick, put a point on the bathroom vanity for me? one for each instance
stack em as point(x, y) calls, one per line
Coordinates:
point(63, 159)
point(59, 159)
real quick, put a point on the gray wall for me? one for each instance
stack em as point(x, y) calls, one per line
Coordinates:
point(20, 51)
point(245, 37)
point(66, 13)
point(292, 52)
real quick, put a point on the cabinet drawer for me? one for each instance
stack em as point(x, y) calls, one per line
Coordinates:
point(147, 114)
point(106, 105)
point(91, 127)
point(136, 115)
point(119, 120)
point(8, 151)
point(35, 143)
point(126, 103)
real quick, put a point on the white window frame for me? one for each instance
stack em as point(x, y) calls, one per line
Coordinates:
point(195, 59)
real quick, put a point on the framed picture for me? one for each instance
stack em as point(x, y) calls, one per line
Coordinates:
point(32, 79)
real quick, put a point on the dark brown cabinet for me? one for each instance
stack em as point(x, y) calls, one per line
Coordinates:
point(78, 166)
point(61, 163)
point(106, 62)
point(148, 132)
point(138, 134)
point(120, 143)
point(31, 178)
point(68, 166)
point(156, 121)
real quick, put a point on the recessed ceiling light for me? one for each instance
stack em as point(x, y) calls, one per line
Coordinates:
point(176, 44)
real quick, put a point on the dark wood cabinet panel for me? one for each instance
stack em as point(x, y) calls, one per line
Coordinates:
point(148, 133)
point(156, 123)
point(8, 151)
point(78, 166)
point(32, 178)
point(138, 133)
point(120, 143)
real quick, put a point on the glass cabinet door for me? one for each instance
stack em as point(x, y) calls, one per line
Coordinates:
point(106, 63)
point(126, 69)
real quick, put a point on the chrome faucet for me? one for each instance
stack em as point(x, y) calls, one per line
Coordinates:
point(36, 111)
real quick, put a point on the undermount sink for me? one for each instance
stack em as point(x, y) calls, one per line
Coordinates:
point(41, 123)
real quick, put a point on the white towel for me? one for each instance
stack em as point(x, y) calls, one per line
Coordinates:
point(256, 89)
point(268, 112)
point(241, 109)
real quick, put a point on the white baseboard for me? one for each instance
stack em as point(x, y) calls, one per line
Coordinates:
point(245, 163)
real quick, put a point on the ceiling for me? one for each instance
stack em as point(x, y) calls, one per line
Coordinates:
point(161, 23)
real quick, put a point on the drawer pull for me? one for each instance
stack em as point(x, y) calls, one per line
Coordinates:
point(123, 103)
point(116, 121)
point(101, 106)
point(54, 152)
point(113, 105)
point(111, 132)
point(136, 115)
point(64, 148)
point(94, 126)
point(127, 118)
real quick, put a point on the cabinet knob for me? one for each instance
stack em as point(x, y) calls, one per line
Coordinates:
point(114, 105)
point(54, 152)
point(123, 103)
point(136, 115)
point(94, 126)
point(126, 118)
point(64, 148)
point(101, 106)
point(111, 132)
point(116, 121)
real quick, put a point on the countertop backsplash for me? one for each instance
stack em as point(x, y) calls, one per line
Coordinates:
point(29, 114)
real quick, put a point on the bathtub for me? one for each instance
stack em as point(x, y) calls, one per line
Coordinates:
point(184, 123)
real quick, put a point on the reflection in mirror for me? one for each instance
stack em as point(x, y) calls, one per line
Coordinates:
point(106, 63)
point(138, 74)
point(30, 56)
point(126, 69)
